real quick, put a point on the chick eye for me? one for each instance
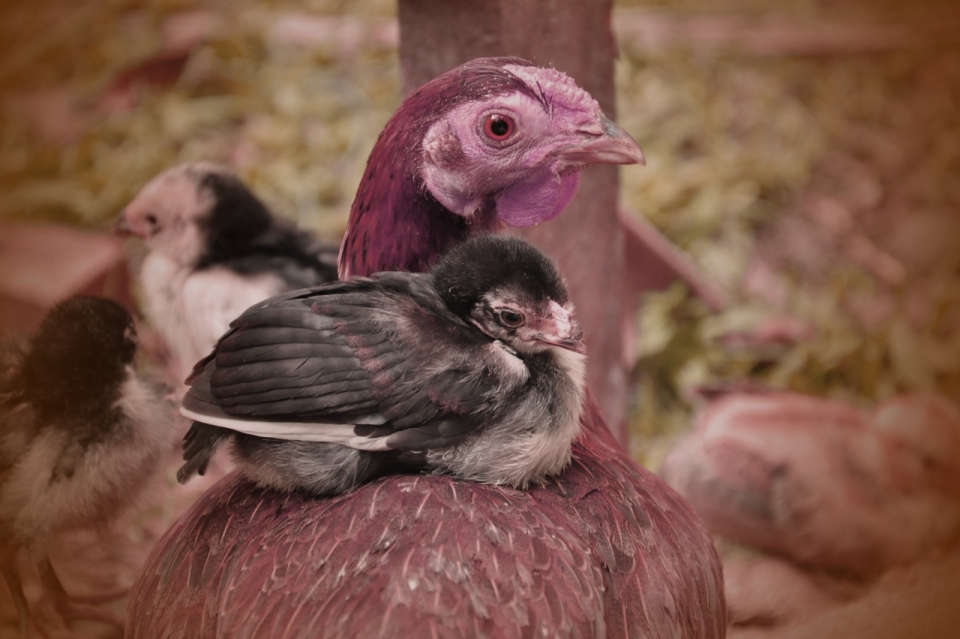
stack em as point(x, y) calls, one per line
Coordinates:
point(499, 127)
point(509, 319)
point(151, 219)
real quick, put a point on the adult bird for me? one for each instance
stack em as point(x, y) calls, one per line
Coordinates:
point(82, 437)
point(214, 250)
point(604, 549)
point(475, 370)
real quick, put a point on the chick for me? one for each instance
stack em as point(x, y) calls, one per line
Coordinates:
point(82, 436)
point(475, 369)
point(215, 250)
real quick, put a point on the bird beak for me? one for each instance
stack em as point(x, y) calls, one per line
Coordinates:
point(560, 329)
point(575, 345)
point(121, 226)
point(603, 141)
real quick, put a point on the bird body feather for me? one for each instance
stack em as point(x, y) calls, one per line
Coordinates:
point(601, 550)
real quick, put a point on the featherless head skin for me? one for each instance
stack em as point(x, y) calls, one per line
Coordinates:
point(495, 140)
point(78, 358)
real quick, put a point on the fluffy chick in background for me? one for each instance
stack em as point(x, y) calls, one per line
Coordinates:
point(215, 250)
point(82, 437)
point(475, 369)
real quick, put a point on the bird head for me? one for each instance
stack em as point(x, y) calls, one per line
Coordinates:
point(523, 147)
point(495, 140)
point(193, 211)
point(510, 291)
point(78, 356)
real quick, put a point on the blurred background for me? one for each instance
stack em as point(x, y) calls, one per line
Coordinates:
point(805, 155)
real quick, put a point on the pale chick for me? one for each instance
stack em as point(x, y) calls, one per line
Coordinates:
point(215, 250)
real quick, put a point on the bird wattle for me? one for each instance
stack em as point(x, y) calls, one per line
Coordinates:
point(537, 200)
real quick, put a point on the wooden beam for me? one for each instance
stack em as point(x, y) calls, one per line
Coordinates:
point(575, 37)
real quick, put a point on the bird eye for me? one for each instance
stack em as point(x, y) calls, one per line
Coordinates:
point(151, 219)
point(509, 318)
point(499, 127)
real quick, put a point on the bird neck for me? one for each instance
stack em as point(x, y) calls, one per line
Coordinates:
point(399, 226)
point(395, 222)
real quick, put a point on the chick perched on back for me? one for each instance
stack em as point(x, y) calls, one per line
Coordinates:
point(215, 250)
point(475, 369)
point(82, 436)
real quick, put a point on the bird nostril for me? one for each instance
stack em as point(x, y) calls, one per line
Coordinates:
point(594, 129)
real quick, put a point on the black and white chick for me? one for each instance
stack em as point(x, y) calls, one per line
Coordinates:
point(214, 251)
point(474, 369)
point(82, 435)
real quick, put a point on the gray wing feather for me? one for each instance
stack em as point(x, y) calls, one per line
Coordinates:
point(384, 353)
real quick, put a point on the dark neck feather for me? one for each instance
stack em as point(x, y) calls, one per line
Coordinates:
point(395, 222)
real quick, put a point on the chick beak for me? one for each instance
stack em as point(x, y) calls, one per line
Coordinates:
point(127, 225)
point(560, 329)
point(603, 141)
point(122, 226)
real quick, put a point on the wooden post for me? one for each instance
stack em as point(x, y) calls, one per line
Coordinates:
point(575, 37)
